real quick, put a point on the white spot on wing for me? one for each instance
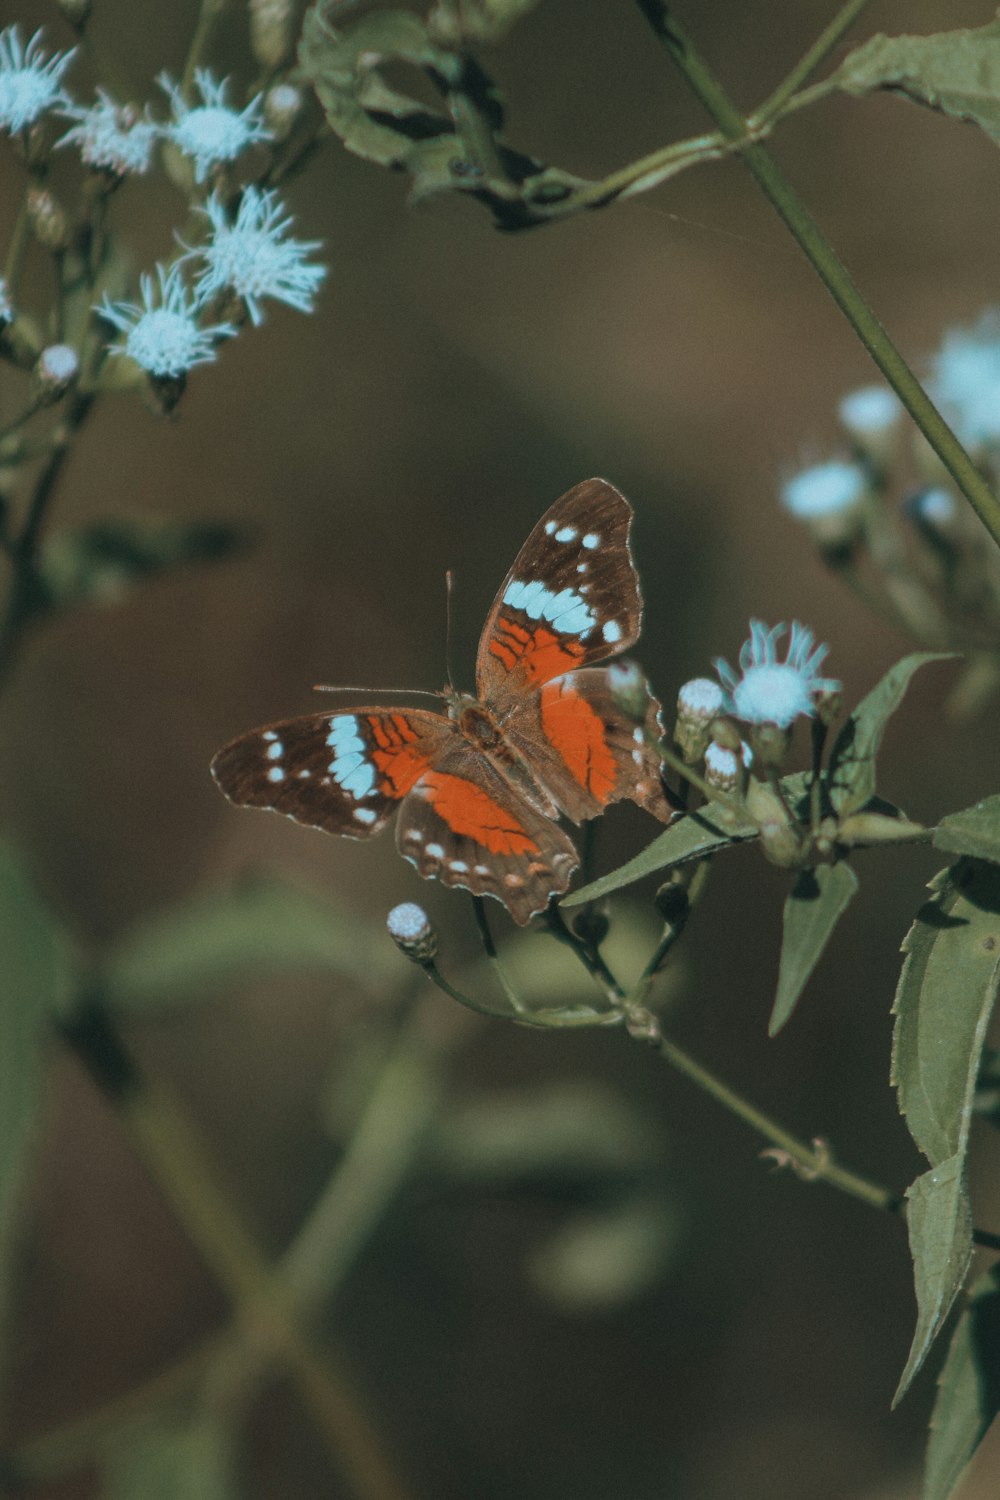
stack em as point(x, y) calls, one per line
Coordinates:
point(365, 815)
point(638, 757)
point(566, 610)
point(565, 533)
point(275, 774)
point(611, 631)
point(582, 567)
point(435, 851)
point(458, 866)
point(550, 527)
point(638, 736)
point(276, 749)
point(482, 869)
point(269, 735)
point(590, 540)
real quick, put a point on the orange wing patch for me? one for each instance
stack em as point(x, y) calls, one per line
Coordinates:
point(574, 728)
point(540, 652)
point(398, 763)
point(472, 813)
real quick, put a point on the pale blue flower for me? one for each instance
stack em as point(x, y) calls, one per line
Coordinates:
point(870, 411)
point(111, 137)
point(769, 691)
point(824, 490)
point(163, 334)
point(701, 698)
point(255, 257)
point(211, 132)
point(965, 380)
point(30, 82)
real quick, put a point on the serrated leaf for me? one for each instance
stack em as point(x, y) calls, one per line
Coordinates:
point(814, 905)
point(259, 926)
point(943, 1004)
point(691, 837)
point(968, 1396)
point(460, 150)
point(974, 830)
point(939, 1224)
point(851, 774)
point(171, 1458)
point(104, 562)
point(956, 72)
point(35, 982)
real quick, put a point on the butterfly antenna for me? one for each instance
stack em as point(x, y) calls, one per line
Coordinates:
point(449, 584)
point(323, 687)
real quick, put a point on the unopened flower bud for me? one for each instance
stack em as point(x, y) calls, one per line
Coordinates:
point(270, 31)
point(6, 306)
point(935, 516)
point(871, 416)
point(57, 368)
point(781, 839)
point(411, 931)
point(698, 703)
point(770, 745)
point(722, 768)
point(829, 703)
point(76, 11)
point(828, 500)
point(629, 689)
point(592, 926)
point(47, 218)
point(282, 107)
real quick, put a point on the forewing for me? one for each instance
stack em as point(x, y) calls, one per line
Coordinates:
point(344, 772)
point(584, 751)
point(464, 824)
point(571, 598)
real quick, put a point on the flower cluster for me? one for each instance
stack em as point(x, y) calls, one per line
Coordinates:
point(887, 515)
point(30, 82)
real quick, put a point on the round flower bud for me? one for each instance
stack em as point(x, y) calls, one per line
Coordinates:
point(722, 768)
point(57, 368)
point(270, 31)
point(47, 218)
point(828, 500)
point(411, 931)
point(871, 416)
point(629, 689)
point(282, 107)
point(698, 703)
point(770, 745)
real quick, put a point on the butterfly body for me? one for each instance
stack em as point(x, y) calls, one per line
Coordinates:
point(479, 788)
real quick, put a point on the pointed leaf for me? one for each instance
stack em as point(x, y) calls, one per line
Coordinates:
point(956, 72)
point(939, 1224)
point(35, 982)
point(968, 1395)
point(851, 776)
point(943, 1004)
point(260, 926)
point(699, 833)
point(814, 906)
point(974, 830)
point(171, 1458)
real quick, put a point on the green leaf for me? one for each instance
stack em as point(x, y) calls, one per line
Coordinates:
point(460, 150)
point(813, 908)
point(602, 1258)
point(695, 835)
point(851, 774)
point(104, 562)
point(35, 981)
point(975, 830)
point(939, 1224)
point(458, 21)
point(259, 926)
point(171, 1458)
point(943, 1004)
point(968, 1395)
point(956, 72)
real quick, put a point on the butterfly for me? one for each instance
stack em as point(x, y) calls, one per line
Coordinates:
point(480, 788)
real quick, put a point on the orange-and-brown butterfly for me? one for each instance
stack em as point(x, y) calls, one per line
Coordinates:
point(480, 788)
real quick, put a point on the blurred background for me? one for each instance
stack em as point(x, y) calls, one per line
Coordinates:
point(452, 382)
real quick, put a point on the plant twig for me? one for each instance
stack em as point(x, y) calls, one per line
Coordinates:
point(772, 180)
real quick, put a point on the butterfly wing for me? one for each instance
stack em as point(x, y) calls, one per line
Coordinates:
point(464, 823)
point(570, 600)
point(344, 772)
point(584, 750)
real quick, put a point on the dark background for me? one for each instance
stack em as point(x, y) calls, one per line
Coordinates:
point(452, 382)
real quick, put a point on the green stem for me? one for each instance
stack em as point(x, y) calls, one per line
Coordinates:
point(826, 263)
point(166, 1142)
point(208, 16)
point(824, 44)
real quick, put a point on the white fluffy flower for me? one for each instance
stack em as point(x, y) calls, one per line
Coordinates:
point(255, 256)
point(965, 380)
point(824, 490)
point(769, 691)
point(162, 334)
point(870, 411)
point(30, 82)
point(212, 132)
point(113, 137)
